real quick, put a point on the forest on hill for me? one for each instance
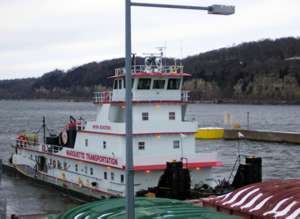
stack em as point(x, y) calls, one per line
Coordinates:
point(265, 71)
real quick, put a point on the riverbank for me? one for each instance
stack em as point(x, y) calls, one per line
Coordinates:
point(214, 101)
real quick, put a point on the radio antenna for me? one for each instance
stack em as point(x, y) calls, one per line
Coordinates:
point(181, 52)
point(162, 51)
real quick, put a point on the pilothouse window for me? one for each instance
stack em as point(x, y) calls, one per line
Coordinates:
point(132, 83)
point(115, 84)
point(173, 84)
point(159, 84)
point(120, 84)
point(144, 84)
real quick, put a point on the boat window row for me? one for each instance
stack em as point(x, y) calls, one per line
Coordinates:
point(145, 116)
point(148, 83)
point(142, 145)
point(87, 170)
point(104, 143)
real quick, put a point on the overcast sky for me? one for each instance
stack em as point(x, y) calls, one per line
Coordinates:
point(37, 36)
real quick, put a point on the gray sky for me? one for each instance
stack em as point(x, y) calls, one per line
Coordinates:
point(37, 36)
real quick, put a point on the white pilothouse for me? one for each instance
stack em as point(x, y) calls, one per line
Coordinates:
point(89, 156)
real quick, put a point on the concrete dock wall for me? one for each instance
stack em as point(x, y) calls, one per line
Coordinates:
point(263, 135)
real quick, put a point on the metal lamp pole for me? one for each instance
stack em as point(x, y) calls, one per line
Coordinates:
point(214, 9)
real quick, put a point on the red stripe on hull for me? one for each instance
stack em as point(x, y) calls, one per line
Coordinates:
point(189, 166)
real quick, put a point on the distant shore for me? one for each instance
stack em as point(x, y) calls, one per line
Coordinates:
point(214, 101)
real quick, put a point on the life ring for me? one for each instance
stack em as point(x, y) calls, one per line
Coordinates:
point(64, 137)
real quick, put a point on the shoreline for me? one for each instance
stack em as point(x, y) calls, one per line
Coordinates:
point(215, 101)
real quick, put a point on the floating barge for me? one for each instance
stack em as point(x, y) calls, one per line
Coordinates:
point(207, 133)
point(270, 199)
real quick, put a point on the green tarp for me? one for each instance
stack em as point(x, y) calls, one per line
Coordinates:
point(145, 208)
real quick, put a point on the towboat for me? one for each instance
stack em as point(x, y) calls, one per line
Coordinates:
point(88, 157)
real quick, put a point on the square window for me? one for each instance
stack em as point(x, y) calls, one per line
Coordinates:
point(105, 175)
point(141, 145)
point(171, 115)
point(122, 178)
point(91, 171)
point(112, 176)
point(145, 116)
point(104, 144)
point(65, 166)
point(76, 167)
point(176, 144)
point(86, 142)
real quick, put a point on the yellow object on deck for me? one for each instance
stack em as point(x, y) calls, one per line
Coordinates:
point(209, 133)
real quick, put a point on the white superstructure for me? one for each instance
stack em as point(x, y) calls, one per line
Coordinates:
point(88, 156)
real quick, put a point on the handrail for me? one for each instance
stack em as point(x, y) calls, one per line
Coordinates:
point(151, 68)
point(22, 143)
point(102, 97)
point(106, 97)
point(185, 95)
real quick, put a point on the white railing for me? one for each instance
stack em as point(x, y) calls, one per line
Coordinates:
point(80, 125)
point(185, 95)
point(102, 97)
point(106, 97)
point(151, 68)
point(25, 143)
point(52, 148)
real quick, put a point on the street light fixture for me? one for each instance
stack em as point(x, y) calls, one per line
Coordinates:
point(213, 9)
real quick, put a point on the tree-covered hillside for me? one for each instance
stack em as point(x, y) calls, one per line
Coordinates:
point(250, 72)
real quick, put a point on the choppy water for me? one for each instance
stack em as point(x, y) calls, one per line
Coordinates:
point(25, 197)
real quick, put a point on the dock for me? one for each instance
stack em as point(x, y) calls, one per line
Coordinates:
point(262, 135)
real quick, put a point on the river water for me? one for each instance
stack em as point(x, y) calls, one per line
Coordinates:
point(26, 197)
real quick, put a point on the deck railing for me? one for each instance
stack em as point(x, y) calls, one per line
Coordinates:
point(34, 146)
point(106, 97)
point(185, 95)
point(151, 68)
point(25, 143)
point(102, 97)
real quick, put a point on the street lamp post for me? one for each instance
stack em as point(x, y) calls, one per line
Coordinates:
point(213, 9)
